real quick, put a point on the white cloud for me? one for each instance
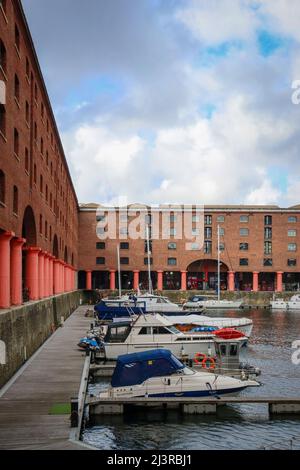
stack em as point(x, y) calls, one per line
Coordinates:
point(217, 21)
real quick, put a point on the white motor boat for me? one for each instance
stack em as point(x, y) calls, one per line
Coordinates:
point(202, 301)
point(292, 304)
point(150, 303)
point(158, 373)
point(191, 322)
point(155, 331)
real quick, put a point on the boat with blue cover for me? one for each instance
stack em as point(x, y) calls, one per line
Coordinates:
point(159, 373)
point(127, 305)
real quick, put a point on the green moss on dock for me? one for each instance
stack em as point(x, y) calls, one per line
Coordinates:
point(60, 409)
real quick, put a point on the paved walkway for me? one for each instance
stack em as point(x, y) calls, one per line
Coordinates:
point(51, 377)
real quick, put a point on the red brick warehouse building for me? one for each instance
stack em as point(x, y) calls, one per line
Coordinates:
point(38, 204)
point(46, 238)
point(259, 249)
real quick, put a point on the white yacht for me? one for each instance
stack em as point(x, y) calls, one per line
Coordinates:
point(192, 322)
point(158, 373)
point(148, 303)
point(154, 331)
point(292, 304)
point(202, 301)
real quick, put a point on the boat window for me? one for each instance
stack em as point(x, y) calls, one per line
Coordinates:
point(160, 330)
point(146, 330)
point(184, 339)
point(223, 349)
point(233, 350)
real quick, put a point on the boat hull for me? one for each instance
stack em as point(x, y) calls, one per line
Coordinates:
point(179, 349)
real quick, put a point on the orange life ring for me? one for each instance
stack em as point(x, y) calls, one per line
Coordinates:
point(212, 363)
point(199, 358)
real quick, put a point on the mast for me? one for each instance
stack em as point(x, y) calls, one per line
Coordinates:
point(219, 274)
point(119, 271)
point(149, 264)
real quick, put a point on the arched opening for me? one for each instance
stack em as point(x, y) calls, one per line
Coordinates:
point(203, 275)
point(29, 227)
point(29, 233)
point(55, 247)
point(2, 187)
point(15, 200)
point(66, 255)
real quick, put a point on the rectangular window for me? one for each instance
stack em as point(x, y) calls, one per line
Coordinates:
point(195, 232)
point(195, 246)
point(207, 232)
point(195, 218)
point(207, 220)
point(2, 120)
point(268, 248)
point(244, 262)
point(17, 38)
point(221, 232)
point(244, 246)
point(124, 260)
point(207, 247)
point(244, 219)
point(146, 261)
point(173, 218)
point(124, 246)
point(16, 142)
point(172, 261)
point(292, 233)
point(268, 262)
point(292, 219)
point(100, 230)
point(100, 218)
point(292, 247)
point(123, 231)
point(222, 246)
point(173, 232)
point(123, 217)
point(100, 246)
point(172, 246)
point(292, 262)
point(100, 260)
point(268, 233)
point(146, 246)
point(221, 218)
point(148, 219)
point(268, 220)
point(244, 232)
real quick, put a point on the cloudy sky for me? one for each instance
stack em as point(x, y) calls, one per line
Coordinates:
point(165, 101)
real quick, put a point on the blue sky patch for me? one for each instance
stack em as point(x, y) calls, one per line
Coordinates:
point(269, 43)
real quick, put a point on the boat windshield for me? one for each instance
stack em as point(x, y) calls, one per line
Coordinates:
point(174, 330)
point(186, 371)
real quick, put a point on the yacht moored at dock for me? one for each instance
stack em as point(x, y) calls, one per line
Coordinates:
point(158, 373)
point(205, 302)
point(292, 304)
point(154, 331)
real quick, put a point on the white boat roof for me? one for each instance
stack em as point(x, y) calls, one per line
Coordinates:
point(200, 319)
point(152, 320)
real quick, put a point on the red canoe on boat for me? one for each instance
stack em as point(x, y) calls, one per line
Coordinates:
point(229, 333)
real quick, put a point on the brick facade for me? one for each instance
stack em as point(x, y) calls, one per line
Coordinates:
point(37, 199)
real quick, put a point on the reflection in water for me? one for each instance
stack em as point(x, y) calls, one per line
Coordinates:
point(234, 427)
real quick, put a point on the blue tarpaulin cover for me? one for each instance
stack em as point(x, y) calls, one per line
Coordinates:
point(133, 369)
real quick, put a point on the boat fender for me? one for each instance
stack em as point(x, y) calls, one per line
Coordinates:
point(209, 363)
point(199, 358)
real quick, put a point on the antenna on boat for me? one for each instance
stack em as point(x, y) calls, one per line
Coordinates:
point(219, 274)
point(119, 271)
point(150, 288)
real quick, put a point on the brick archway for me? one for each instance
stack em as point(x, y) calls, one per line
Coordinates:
point(202, 275)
